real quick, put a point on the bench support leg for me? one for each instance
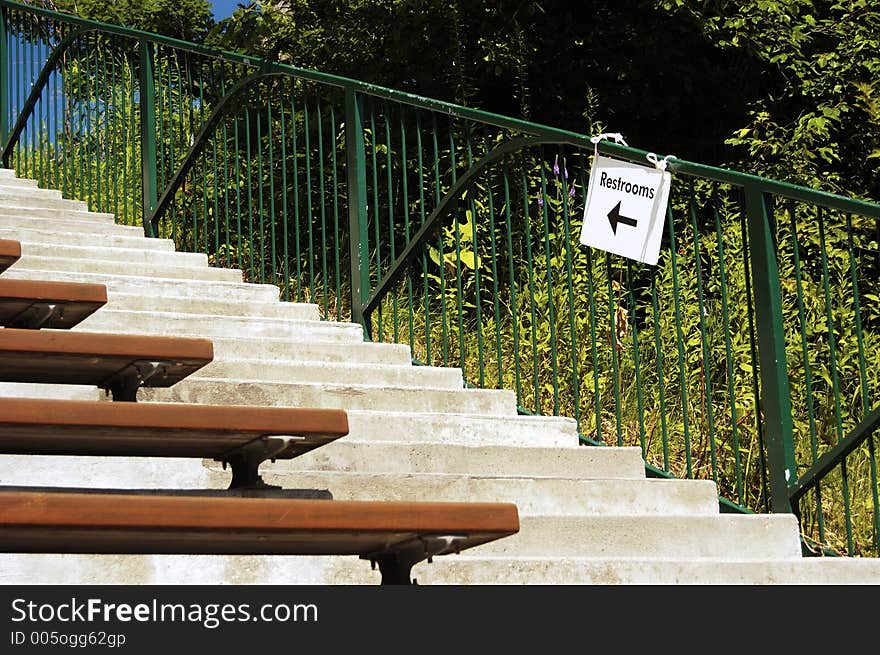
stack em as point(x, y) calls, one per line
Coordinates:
point(125, 384)
point(395, 564)
point(246, 460)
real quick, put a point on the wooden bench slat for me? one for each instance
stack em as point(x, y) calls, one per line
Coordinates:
point(125, 523)
point(90, 358)
point(10, 252)
point(21, 301)
point(79, 427)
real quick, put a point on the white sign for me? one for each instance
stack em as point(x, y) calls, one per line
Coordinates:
point(626, 209)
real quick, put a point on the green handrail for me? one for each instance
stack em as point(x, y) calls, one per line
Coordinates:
point(459, 241)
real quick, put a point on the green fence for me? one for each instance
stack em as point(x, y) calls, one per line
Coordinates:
point(750, 355)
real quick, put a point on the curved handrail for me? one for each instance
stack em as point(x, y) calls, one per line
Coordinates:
point(446, 204)
point(37, 91)
point(766, 185)
point(199, 142)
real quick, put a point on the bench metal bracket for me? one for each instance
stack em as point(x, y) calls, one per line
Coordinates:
point(245, 460)
point(395, 563)
point(124, 385)
point(37, 315)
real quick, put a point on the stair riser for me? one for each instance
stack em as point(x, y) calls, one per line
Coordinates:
point(121, 268)
point(418, 453)
point(231, 392)
point(292, 351)
point(36, 201)
point(546, 496)
point(201, 306)
point(473, 570)
point(154, 286)
point(745, 537)
point(409, 376)
point(130, 256)
point(50, 237)
point(198, 326)
point(64, 223)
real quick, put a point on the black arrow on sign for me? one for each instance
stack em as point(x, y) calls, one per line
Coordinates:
point(615, 217)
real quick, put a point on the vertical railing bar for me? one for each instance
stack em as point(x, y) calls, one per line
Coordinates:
point(495, 290)
point(661, 383)
point(704, 342)
point(337, 264)
point(615, 362)
point(457, 231)
point(389, 171)
point(285, 248)
point(725, 317)
point(319, 115)
point(634, 326)
point(530, 267)
point(421, 166)
point(551, 309)
point(759, 426)
point(272, 231)
point(774, 370)
point(307, 145)
point(444, 341)
point(404, 175)
point(477, 280)
point(380, 328)
point(567, 196)
point(260, 195)
point(296, 221)
point(808, 377)
point(673, 250)
point(513, 281)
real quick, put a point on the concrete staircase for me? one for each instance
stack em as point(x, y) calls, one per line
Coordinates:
point(588, 515)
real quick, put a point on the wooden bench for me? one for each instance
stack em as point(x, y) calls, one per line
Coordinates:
point(241, 436)
point(33, 304)
point(394, 535)
point(10, 252)
point(117, 363)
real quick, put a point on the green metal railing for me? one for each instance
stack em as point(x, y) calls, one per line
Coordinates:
point(750, 355)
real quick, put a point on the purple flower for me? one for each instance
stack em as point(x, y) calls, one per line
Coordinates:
point(540, 201)
point(571, 191)
point(556, 166)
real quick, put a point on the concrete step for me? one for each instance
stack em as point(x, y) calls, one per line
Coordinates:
point(741, 537)
point(110, 267)
point(36, 200)
point(341, 396)
point(63, 222)
point(202, 325)
point(53, 236)
point(381, 374)
point(462, 569)
point(471, 430)
point(292, 350)
point(8, 178)
point(418, 455)
point(533, 495)
point(61, 391)
point(465, 569)
point(237, 291)
point(130, 256)
point(214, 307)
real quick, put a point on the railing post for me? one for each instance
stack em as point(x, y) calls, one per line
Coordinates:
point(775, 392)
point(5, 72)
point(356, 168)
point(147, 97)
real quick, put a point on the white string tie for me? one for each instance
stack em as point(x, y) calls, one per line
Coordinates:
point(659, 164)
